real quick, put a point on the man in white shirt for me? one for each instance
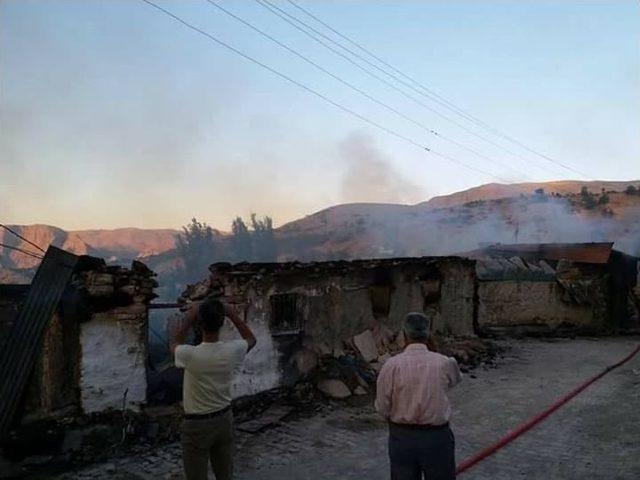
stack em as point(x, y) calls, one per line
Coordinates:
point(207, 431)
point(412, 395)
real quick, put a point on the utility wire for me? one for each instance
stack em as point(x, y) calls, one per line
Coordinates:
point(316, 93)
point(361, 92)
point(428, 93)
point(293, 21)
point(25, 252)
point(22, 238)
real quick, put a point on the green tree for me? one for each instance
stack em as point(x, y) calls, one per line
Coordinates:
point(631, 190)
point(604, 199)
point(196, 246)
point(264, 240)
point(241, 242)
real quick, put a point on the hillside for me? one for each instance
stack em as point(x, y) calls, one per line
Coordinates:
point(130, 242)
point(494, 191)
point(443, 225)
point(351, 231)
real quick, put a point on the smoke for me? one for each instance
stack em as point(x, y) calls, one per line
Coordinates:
point(370, 176)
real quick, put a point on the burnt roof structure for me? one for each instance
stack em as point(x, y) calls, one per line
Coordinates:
point(593, 253)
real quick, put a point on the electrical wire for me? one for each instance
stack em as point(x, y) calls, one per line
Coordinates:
point(318, 94)
point(25, 252)
point(22, 238)
point(428, 93)
point(360, 91)
point(290, 19)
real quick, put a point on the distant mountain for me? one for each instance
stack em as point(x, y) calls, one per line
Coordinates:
point(130, 242)
point(443, 225)
point(119, 245)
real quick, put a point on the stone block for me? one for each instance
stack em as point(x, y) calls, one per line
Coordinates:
point(334, 388)
point(101, 290)
point(366, 345)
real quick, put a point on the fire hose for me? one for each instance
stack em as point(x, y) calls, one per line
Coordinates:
point(529, 424)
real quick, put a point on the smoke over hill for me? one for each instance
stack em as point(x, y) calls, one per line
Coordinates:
point(444, 225)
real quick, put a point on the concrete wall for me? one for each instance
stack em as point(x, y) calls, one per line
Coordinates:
point(530, 306)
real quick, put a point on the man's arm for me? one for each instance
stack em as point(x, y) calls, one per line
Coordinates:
point(180, 329)
point(453, 372)
point(384, 390)
point(241, 326)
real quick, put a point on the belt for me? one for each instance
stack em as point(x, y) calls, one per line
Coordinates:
point(205, 416)
point(418, 426)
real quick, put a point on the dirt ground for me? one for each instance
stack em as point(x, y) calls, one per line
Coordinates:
point(595, 436)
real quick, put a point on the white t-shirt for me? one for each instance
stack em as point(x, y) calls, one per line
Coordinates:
point(207, 374)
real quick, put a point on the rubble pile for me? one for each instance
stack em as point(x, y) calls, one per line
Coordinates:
point(353, 371)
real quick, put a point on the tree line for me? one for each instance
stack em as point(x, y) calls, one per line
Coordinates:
point(198, 245)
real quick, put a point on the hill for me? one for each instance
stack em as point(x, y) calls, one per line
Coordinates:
point(443, 225)
point(495, 191)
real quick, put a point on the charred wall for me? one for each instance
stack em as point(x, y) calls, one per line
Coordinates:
point(321, 306)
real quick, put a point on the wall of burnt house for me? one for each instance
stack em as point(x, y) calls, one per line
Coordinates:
point(321, 307)
point(581, 298)
point(95, 346)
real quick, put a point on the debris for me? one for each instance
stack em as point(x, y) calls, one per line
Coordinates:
point(305, 361)
point(360, 391)
point(366, 345)
point(334, 388)
point(270, 416)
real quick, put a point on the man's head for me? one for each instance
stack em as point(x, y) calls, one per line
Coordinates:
point(417, 327)
point(211, 315)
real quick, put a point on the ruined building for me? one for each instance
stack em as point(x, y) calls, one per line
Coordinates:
point(75, 340)
point(304, 311)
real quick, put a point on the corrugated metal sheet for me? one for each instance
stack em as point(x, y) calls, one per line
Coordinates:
point(596, 253)
point(25, 339)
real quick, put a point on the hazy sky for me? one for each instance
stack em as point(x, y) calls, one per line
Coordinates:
point(112, 114)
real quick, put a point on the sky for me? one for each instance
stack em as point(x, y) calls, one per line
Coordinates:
point(113, 114)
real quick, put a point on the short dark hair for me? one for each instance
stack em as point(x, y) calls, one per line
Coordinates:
point(417, 326)
point(211, 315)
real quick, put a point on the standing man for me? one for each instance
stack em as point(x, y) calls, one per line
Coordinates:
point(207, 431)
point(412, 396)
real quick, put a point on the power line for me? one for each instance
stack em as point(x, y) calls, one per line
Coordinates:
point(22, 238)
point(435, 96)
point(316, 93)
point(290, 19)
point(25, 252)
point(358, 90)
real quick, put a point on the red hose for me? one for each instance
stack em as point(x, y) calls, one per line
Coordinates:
point(478, 457)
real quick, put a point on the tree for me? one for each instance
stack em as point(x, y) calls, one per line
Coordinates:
point(241, 242)
point(264, 240)
point(631, 190)
point(604, 199)
point(588, 199)
point(197, 247)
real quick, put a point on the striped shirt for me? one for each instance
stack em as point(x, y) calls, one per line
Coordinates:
point(412, 386)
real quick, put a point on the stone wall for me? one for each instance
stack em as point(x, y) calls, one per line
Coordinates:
point(332, 302)
point(94, 348)
point(531, 307)
point(113, 341)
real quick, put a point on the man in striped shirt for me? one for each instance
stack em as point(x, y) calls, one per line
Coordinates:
point(412, 396)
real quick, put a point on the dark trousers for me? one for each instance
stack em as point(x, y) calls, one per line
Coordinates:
point(208, 440)
point(414, 453)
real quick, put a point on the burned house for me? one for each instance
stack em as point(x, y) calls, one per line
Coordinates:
point(75, 340)
point(300, 311)
point(554, 288)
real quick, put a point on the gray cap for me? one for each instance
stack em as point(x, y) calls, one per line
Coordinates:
point(416, 325)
